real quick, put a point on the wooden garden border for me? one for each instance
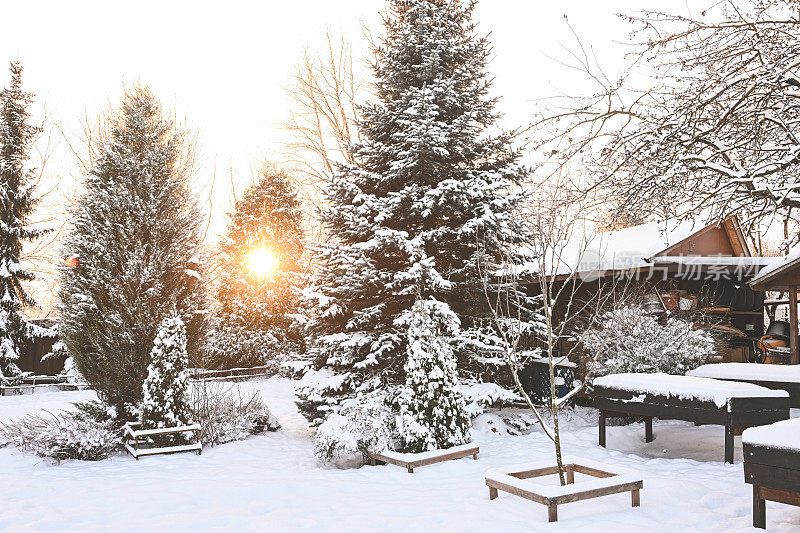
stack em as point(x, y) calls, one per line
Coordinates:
point(406, 460)
point(775, 476)
point(739, 412)
point(132, 441)
point(508, 480)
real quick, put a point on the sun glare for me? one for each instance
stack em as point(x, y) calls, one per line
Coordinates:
point(263, 262)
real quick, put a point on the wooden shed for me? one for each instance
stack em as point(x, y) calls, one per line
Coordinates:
point(784, 275)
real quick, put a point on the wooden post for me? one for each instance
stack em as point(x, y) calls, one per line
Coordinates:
point(729, 443)
point(570, 474)
point(795, 355)
point(552, 513)
point(648, 429)
point(492, 493)
point(601, 427)
point(635, 502)
point(759, 509)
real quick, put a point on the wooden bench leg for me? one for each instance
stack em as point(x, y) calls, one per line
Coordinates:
point(570, 475)
point(410, 470)
point(475, 456)
point(492, 493)
point(648, 429)
point(759, 509)
point(729, 444)
point(635, 502)
point(601, 427)
point(552, 513)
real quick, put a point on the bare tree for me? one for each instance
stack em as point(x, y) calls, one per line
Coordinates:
point(713, 130)
point(554, 255)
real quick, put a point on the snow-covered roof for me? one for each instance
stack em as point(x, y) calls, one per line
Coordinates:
point(623, 249)
point(778, 267)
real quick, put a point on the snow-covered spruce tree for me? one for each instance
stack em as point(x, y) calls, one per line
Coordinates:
point(429, 190)
point(16, 206)
point(166, 388)
point(257, 299)
point(131, 254)
point(432, 411)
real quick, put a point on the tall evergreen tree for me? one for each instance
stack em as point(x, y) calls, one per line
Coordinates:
point(17, 203)
point(260, 263)
point(430, 192)
point(132, 253)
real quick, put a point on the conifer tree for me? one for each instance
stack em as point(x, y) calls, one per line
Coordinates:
point(166, 388)
point(132, 253)
point(432, 410)
point(260, 263)
point(17, 203)
point(429, 193)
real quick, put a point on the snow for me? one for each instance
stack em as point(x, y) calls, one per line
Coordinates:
point(784, 434)
point(540, 487)
point(430, 454)
point(790, 259)
point(273, 481)
point(749, 372)
point(687, 387)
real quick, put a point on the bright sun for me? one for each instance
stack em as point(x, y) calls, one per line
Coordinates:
point(263, 262)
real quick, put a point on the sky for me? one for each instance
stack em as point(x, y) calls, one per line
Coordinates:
point(224, 68)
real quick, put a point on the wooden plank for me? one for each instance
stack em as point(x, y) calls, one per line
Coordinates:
point(591, 471)
point(535, 473)
point(166, 449)
point(516, 491)
point(781, 496)
point(595, 493)
point(766, 455)
point(450, 456)
point(161, 431)
point(772, 476)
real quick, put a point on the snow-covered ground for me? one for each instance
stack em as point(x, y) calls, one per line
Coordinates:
point(272, 482)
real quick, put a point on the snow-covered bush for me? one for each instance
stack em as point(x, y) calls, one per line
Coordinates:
point(361, 426)
point(166, 399)
point(432, 410)
point(226, 416)
point(81, 434)
point(481, 396)
point(628, 339)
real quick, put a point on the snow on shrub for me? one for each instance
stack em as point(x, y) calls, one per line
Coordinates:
point(361, 426)
point(432, 411)
point(87, 434)
point(481, 396)
point(628, 339)
point(226, 416)
point(166, 400)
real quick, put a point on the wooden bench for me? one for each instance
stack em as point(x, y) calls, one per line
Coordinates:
point(517, 480)
point(136, 437)
point(775, 377)
point(413, 460)
point(700, 400)
point(772, 466)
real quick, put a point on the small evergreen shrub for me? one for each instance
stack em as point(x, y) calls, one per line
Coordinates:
point(433, 412)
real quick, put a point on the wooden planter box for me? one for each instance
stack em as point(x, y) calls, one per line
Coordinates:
point(517, 480)
point(413, 460)
point(137, 441)
point(757, 408)
point(772, 468)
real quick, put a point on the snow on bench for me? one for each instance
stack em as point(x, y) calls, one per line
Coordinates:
point(136, 437)
point(784, 435)
point(772, 465)
point(686, 387)
point(732, 404)
point(778, 377)
point(413, 460)
point(520, 480)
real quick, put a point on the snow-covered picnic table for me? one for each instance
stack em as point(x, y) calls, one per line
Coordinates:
point(778, 377)
point(772, 465)
point(731, 404)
